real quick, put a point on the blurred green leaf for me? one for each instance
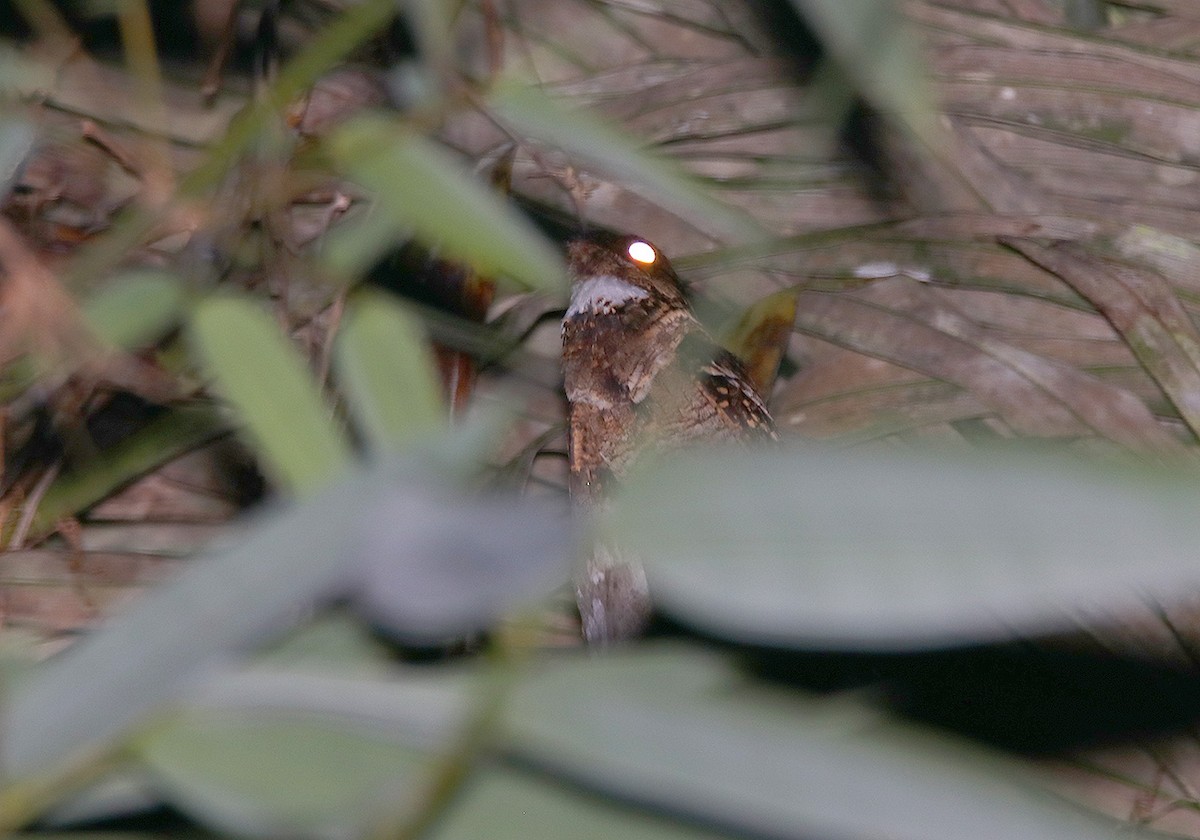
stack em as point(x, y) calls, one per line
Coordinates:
point(90, 834)
point(419, 187)
point(430, 20)
point(261, 774)
point(496, 554)
point(79, 702)
point(270, 752)
point(335, 641)
point(360, 241)
point(812, 548)
point(503, 804)
point(274, 394)
point(120, 794)
point(388, 374)
point(419, 560)
point(136, 309)
point(874, 45)
point(677, 731)
point(602, 145)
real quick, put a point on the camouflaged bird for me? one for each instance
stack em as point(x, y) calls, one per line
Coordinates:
point(640, 372)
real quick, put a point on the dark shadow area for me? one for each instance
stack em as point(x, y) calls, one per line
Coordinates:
point(1022, 696)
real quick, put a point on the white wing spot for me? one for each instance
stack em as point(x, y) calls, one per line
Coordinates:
point(602, 295)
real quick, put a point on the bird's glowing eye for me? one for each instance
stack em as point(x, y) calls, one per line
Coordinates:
point(642, 252)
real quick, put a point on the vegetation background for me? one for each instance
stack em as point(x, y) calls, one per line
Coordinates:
point(956, 239)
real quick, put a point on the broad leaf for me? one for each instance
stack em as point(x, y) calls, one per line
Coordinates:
point(136, 309)
point(262, 777)
point(274, 395)
point(422, 562)
point(812, 548)
point(387, 370)
point(676, 731)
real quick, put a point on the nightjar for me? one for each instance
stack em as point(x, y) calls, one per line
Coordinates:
point(640, 372)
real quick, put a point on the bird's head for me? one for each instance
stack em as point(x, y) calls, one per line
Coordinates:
point(609, 270)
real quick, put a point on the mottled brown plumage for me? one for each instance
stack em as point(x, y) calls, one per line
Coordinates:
point(640, 372)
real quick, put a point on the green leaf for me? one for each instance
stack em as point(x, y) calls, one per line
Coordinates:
point(388, 373)
point(121, 793)
point(812, 548)
point(136, 309)
point(271, 752)
point(273, 393)
point(598, 143)
point(430, 21)
point(102, 835)
point(337, 640)
point(419, 187)
point(878, 50)
point(422, 561)
point(678, 732)
point(265, 774)
point(496, 554)
point(503, 804)
point(361, 240)
point(80, 702)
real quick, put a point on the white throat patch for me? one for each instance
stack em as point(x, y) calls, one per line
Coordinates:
point(602, 295)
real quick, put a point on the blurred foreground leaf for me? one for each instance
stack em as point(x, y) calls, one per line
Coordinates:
point(273, 393)
point(261, 775)
point(269, 753)
point(590, 139)
point(876, 48)
point(419, 560)
point(811, 548)
point(136, 309)
point(505, 804)
point(385, 366)
point(420, 189)
point(678, 732)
